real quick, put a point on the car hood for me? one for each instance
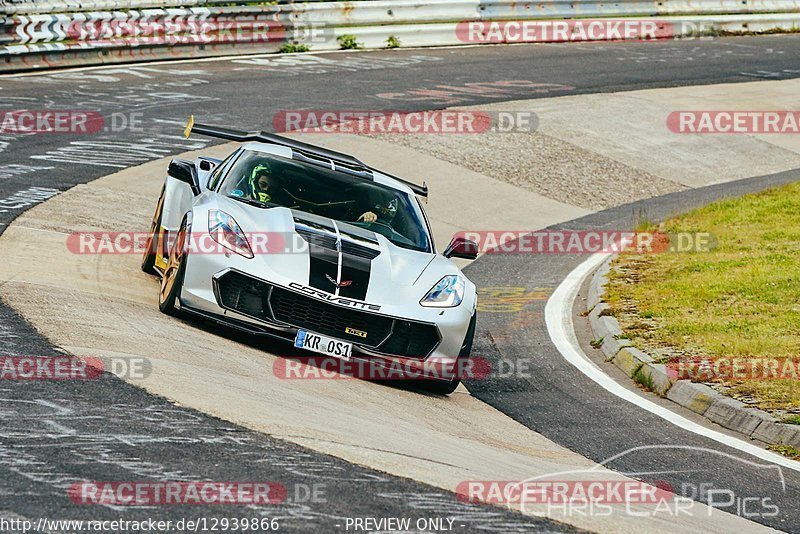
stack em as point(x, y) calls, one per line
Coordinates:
point(335, 257)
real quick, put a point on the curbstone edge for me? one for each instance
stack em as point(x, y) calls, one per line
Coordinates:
point(630, 360)
point(597, 286)
point(692, 396)
point(699, 398)
point(611, 346)
point(735, 415)
point(656, 377)
point(594, 317)
point(778, 433)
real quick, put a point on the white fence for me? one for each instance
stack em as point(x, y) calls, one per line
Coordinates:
point(36, 34)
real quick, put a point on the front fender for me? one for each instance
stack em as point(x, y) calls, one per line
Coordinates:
point(178, 198)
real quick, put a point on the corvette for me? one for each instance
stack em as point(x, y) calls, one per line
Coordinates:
point(315, 248)
point(342, 301)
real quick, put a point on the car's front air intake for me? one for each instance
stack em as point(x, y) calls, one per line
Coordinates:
point(263, 301)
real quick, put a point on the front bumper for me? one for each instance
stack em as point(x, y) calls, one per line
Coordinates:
point(425, 341)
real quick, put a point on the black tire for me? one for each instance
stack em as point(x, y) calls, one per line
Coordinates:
point(446, 388)
point(172, 281)
point(149, 255)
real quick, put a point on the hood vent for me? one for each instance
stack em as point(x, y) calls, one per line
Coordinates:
point(328, 241)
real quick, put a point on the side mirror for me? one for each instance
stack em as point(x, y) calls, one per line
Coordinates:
point(208, 164)
point(461, 247)
point(186, 172)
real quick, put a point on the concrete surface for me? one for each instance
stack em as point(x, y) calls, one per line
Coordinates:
point(96, 305)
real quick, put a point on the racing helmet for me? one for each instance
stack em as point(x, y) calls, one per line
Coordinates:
point(258, 171)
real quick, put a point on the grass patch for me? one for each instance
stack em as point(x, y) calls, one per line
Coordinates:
point(392, 42)
point(793, 419)
point(643, 380)
point(293, 48)
point(786, 450)
point(742, 299)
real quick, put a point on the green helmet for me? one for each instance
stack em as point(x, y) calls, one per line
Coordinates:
point(258, 170)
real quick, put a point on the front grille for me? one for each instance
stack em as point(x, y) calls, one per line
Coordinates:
point(306, 312)
point(263, 301)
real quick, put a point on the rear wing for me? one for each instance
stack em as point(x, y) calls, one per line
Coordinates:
point(308, 152)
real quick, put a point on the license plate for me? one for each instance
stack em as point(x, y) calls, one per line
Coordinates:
point(323, 344)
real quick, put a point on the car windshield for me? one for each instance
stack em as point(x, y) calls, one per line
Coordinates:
point(274, 181)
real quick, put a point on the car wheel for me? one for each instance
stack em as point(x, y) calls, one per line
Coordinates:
point(172, 281)
point(149, 255)
point(446, 388)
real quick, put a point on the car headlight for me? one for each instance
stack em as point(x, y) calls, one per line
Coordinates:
point(447, 293)
point(225, 231)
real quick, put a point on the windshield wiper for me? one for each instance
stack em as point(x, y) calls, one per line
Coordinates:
point(256, 203)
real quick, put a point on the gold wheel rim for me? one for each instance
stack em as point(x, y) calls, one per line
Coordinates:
point(173, 265)
point(151, 241)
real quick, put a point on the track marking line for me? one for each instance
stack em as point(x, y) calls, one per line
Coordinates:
point(558, 316)
point(215, 59)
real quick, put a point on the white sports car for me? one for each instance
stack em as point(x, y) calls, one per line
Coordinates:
point(314, 247)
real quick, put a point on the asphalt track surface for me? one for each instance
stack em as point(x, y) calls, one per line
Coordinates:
point(54, 432)
point(559, 402)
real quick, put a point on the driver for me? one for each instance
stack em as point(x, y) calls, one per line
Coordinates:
point(260, 183)
point(382, 212)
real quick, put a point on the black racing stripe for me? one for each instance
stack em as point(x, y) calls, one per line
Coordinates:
point(357, 271)
point(357, 255)
point(323, 267)
point(313, 221)
point(358, 233)
point(324, 256)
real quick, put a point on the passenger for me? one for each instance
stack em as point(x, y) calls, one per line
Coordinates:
point(260, 183)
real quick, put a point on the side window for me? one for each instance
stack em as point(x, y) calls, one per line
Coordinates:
point(213, 180)
point(428, 228)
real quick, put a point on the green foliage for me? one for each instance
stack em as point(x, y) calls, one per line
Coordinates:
point(293, 48)
point(349, 42)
